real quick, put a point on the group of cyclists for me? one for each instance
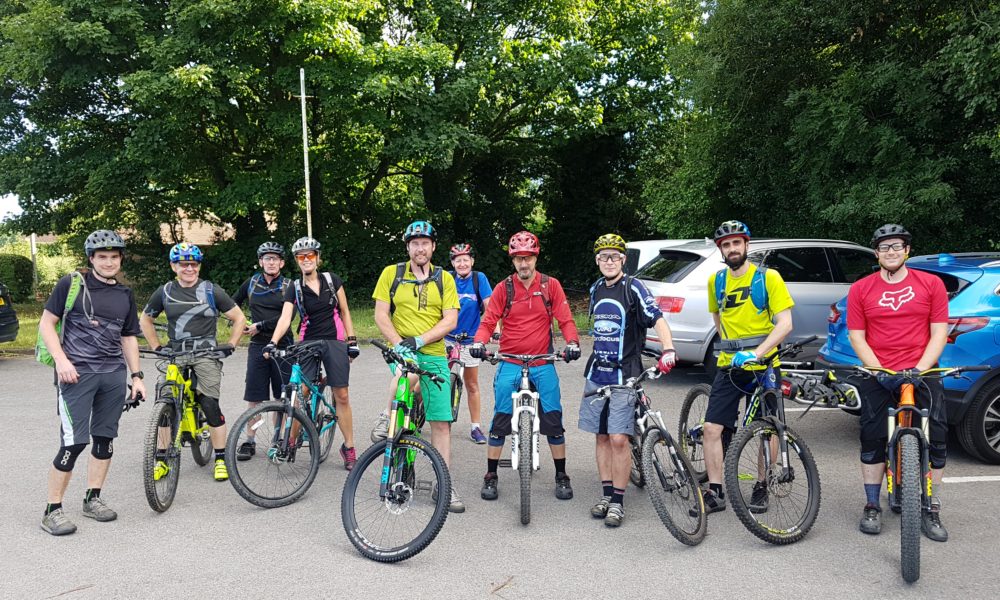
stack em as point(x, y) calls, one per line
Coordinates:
point(896, 319)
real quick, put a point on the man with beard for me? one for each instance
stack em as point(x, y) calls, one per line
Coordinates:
point(752, 313)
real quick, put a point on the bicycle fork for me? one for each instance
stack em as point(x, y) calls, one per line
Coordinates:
point(515, 428)
point(899, 425)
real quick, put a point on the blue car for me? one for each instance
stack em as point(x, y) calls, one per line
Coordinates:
point(973, 284)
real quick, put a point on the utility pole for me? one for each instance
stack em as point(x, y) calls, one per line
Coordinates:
point(305, 150)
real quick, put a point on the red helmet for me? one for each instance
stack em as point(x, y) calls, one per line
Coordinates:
point(460, 250)
point(522, 243)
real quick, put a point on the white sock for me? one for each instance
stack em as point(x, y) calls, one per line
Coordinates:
point(474, 426)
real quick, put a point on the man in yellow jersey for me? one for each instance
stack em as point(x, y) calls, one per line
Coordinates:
point(752, 312)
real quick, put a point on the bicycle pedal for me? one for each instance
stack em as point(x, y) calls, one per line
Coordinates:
point(505, 462)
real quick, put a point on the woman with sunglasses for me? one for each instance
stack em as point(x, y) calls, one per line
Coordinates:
point(324, 315)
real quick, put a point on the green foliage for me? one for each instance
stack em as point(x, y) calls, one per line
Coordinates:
point(15, 273)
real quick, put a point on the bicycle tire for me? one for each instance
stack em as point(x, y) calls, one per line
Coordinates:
point(201, 447)
point(160, 493)
point(524, 466)
point(456, 394)
point(673, 488)
point(636, 475)
point(690, 437)
point(360, 498)
point(908, 484)
point(788, 516)
point(325, 416)
point(273, 478)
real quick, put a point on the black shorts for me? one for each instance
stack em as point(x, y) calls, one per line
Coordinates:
point(727, 391)
point(91, 406)
point(336, 364)
point(876, 400)
point(263, 373)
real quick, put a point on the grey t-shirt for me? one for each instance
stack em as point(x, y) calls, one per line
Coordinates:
point(191, 318)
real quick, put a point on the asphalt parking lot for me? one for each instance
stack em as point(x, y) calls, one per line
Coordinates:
point(211, 542)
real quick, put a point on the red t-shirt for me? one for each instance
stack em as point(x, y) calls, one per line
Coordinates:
point(896, 317)
point(528, 328)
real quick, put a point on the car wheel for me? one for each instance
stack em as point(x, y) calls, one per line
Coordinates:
point(982, 423)
point(710, 362)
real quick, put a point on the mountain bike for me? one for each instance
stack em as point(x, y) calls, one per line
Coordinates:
point(394, 508)
point(298, 435)
point(457, 369)
point(177, 421)
point(525, 424)
point(811, 387)
point(667, 472)
point(907, 464)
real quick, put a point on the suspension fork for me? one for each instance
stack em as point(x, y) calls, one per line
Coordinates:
point(399, 423)
point(900, 423)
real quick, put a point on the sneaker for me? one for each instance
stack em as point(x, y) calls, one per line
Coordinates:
point(476, 435)
point(871, 520)
point(713, 503)
point(160, 470)
point(758, 500)
point(381, 429)
point(489, 491)
point(221, 472)
point(930, 524)
point(245, 451)
point(97, 509)
point(349, 455)
point(57, 523)
point(456, 505)
point(616, 514)
point(600, 510)
point(564, 491)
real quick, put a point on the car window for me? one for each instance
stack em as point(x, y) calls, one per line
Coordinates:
point(851, 264)
point(670, 266)
point(953, 285)
point(631, 260)
point(800, 265)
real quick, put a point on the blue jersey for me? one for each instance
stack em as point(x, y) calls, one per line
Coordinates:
point(620, 333)
point(468, 314)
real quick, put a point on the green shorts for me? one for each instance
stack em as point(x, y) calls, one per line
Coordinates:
point(437, 400)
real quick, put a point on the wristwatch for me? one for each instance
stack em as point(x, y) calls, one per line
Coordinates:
point(137, 374)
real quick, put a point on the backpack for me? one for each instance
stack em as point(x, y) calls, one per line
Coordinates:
point(758, 289)
point(475, 288)
point(255, 281)
point(629, 300)
point(509, 285)
point(205, 292)
point(300, 303)
point(435, 276)
point(42, 354)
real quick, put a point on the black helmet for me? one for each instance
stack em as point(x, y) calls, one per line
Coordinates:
point(730, 229)
point(103, 239)
point(889, 231)
point(270, 248)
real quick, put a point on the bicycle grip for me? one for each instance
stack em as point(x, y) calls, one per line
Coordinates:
point(380, 345)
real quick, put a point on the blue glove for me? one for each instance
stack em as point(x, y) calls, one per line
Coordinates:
point(404, 351)
point(742, 357)
point(413, 343)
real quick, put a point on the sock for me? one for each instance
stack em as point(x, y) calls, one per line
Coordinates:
point(618, 496)
point(92, 493)
point(716, 488)
point(872, 492)
point(560, 464)
point(220, 454)
point(52, 507)
point(344, 447)
point(492, 464)
point(608, 488)
point(474, 426)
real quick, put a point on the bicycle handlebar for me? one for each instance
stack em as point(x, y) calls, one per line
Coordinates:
point(391, 356)
point(933, 372)
point(298, 349)
point(789, 351)
point(172, 355)
point(495, 357)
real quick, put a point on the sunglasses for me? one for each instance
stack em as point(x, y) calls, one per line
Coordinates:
point(189, 265)
point(306, 256)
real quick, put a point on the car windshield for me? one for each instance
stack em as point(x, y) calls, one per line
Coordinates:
point(670, 266)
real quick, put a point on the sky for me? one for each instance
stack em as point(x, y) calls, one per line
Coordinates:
point(8, 204)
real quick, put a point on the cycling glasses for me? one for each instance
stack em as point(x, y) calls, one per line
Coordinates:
point(886, 247)
point(304, 256)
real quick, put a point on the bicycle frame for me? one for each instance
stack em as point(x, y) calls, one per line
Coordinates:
point(173, 376)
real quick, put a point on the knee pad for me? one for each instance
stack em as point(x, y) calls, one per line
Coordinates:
point(213, 414)
point(103, 448)
point(66, 457)
point(496, 440)
point(939, 454)
point(873, 452)
point(551, 424)
point(556, 440)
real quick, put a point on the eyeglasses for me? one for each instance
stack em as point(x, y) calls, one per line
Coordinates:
point(304, 256)
point(609, 258)
point(189, 265)
point(270, 259)
point(894, 247)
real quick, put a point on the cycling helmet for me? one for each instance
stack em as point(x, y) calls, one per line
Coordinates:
point(609, 241)
point(270, 248)
point(523, 243)
point(888, 231)
point(103, 239)
point(304, 244)
point(459, 250)
point(419, 229)
point(731, 228)
point(185, 251)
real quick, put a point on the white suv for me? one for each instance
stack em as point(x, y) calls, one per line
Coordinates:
point(818, 273)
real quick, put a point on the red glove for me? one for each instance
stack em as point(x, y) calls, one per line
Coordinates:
point(667, 361)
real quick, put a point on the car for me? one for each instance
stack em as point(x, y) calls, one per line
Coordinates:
point(817, 272)
point(8, 316)
point(639, 253)
point(973, 284)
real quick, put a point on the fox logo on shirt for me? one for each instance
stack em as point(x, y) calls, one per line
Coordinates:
point(897, 299)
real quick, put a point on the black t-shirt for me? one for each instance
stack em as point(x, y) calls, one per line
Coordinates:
point(190, 316)
point(321, 320)
point(101, 315)
point(266, 301)
point(620, 333)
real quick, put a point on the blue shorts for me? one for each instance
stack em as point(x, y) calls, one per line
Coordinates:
point(546, 382)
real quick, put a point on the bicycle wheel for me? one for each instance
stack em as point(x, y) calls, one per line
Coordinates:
point(281, 470)
point(201, 442)
point(326, 423)
point(524, 466)
point(160, 449)
point(636, 475)
point(673, 488)
point(689, 428)
point(908, 484)
point(408, 519)
point(456, 393)
point(789, 508)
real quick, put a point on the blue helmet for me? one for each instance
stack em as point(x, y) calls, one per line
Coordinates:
point(185, 251)
point(418, 229)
